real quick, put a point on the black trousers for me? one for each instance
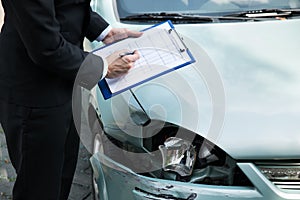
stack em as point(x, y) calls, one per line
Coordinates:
point(43, 148)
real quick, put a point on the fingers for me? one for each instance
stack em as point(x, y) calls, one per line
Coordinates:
point(119, 66)
point(117, 34)
point(125, 33)
point(131, 58)
point(115, 72)
point(131, 33)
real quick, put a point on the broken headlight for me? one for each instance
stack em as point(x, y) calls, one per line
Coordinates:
point(191, 158)
point(178, 155)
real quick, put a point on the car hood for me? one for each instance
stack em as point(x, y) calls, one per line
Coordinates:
point(248, 98)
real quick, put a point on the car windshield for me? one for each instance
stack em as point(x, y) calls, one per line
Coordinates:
point(200, 7)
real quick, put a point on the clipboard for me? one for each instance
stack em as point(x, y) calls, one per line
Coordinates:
point(161, 51)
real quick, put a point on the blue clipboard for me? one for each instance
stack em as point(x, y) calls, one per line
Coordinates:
point(167, 52)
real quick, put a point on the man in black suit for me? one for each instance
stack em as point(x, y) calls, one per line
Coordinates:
point(40, 55)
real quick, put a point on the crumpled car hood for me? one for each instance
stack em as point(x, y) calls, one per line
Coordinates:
point(258, 64)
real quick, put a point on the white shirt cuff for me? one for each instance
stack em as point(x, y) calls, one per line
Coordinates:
point(105, 68)
point(104, 33)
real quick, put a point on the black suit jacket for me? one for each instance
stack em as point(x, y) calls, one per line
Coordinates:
point(41, 49)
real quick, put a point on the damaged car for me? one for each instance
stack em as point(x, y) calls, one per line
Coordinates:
point(224, 127)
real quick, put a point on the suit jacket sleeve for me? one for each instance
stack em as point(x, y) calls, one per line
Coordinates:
point(96, 26)
point(39, 31)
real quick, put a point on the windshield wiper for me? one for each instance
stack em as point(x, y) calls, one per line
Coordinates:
point(266, 13)
point(171, 16)
point(182, 18)
point(254, 15)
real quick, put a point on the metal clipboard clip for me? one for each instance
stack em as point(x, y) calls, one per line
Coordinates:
point(177, 40)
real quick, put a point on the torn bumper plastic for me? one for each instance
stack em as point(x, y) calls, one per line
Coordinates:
point(115, 181)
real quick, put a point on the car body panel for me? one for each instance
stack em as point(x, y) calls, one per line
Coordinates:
point(121, 182)
point(261, 101)
point(241, 94)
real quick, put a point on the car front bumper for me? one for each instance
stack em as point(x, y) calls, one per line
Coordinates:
point(115, 181)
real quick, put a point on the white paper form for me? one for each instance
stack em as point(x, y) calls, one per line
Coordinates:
point(160, 50)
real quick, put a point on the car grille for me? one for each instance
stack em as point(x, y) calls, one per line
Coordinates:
point(286, 176)
point(287, 185)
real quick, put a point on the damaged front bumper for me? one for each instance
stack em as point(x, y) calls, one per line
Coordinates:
point(115, 181)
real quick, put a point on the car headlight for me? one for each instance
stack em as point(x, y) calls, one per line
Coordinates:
point(178, 156)
point(189, 158)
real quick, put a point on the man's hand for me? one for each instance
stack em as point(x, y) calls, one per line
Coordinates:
point(120, 65)
point(117, 34)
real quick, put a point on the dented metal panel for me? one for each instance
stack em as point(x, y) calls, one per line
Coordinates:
point(124, 184)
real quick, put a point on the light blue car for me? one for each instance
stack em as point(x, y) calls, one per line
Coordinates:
point(224, 127)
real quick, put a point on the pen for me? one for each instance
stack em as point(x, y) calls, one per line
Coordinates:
point(126, 53)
